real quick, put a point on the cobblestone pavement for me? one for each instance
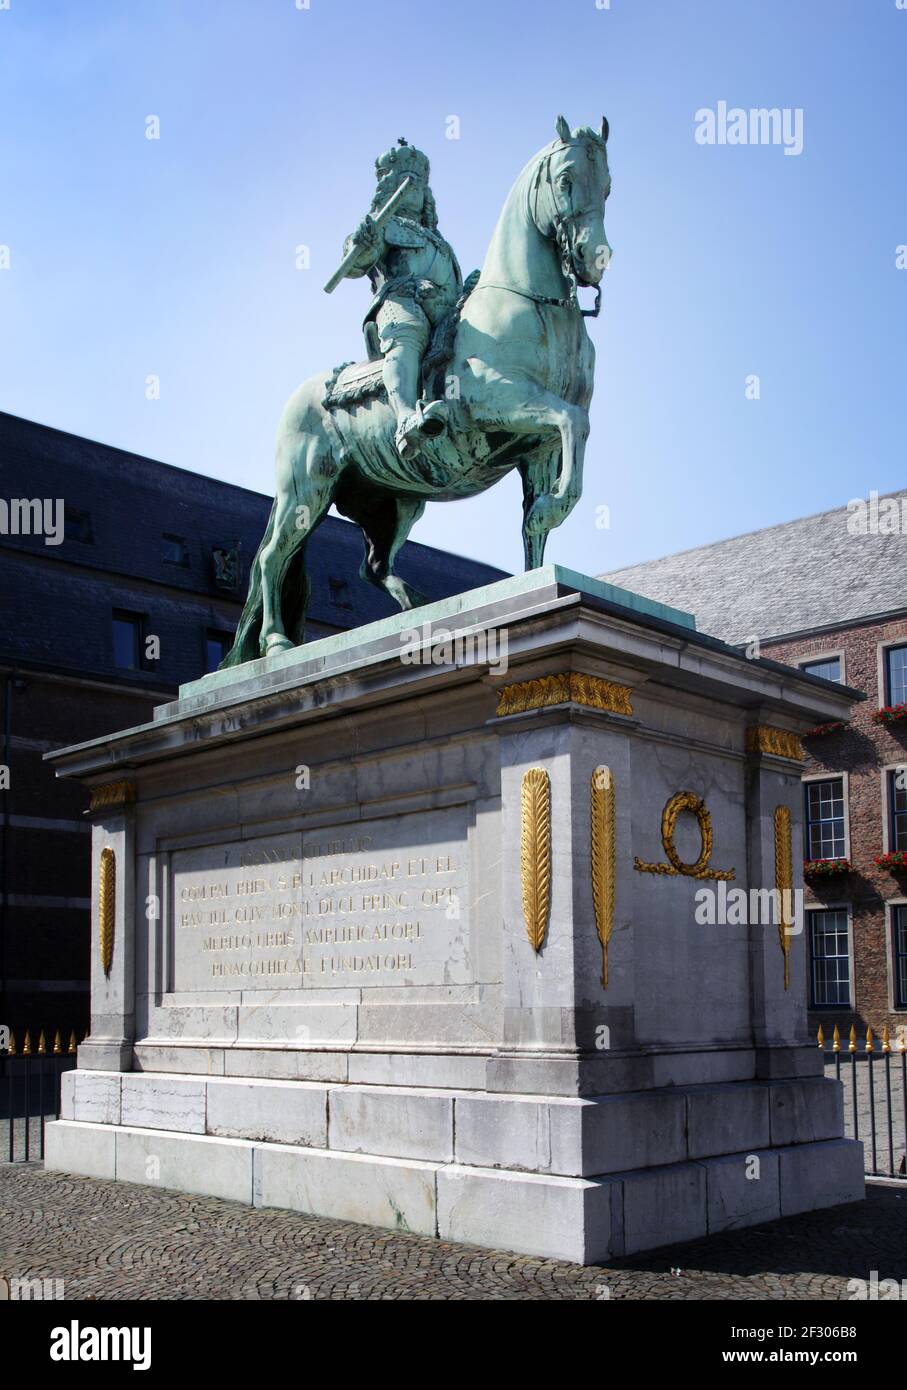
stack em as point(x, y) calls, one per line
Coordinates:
point(885, 1144)
point(121, 1241)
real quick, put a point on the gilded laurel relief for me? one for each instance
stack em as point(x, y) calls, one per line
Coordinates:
point(603, 859)
point(106, 906)
point(535, 853)
point(784, 884)
point(567, 687)
point(685, 801)
point(780, 743)
point(110, 794)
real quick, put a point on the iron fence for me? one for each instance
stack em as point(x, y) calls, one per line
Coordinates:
point(875, 1095)
point(30, 1092)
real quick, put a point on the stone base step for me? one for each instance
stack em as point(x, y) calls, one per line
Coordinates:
point(584, 1220)
point(571, 1137)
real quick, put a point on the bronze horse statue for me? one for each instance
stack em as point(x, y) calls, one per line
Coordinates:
point(519, 384)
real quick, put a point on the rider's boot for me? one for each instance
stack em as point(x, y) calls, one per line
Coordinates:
point(433, 418)
point(417, 420)
point(427, 421)
point(408, 435)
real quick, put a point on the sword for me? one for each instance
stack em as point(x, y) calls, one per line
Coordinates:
point(377, 221)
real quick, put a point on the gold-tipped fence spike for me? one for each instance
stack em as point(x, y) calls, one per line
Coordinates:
point(886, 1039)
point(836, 1040)
point(852, 1045)
point(42, 1043)
point(869, 1047)
point(820, 1037)
point(26, 1045)
point(12, 1044)
point(72, 1042)
point(58, 1043)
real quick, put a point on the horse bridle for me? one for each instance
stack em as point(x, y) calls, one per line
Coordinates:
point(561, 223)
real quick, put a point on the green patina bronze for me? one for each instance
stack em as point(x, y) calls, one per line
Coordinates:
point(463, 381)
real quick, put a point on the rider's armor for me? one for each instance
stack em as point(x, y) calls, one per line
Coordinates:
point(416, 282)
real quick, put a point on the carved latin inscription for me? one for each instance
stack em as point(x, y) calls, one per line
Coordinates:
point(379, 904)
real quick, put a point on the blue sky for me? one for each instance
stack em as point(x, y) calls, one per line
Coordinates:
point(176, 257)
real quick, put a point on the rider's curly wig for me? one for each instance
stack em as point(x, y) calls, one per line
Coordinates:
point(389, 183)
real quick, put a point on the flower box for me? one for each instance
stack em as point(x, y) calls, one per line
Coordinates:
point(890, 714)
point(822, 729)
point(825, 868)
point(894, 859)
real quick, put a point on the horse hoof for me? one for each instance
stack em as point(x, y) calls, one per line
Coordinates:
point(276, 643)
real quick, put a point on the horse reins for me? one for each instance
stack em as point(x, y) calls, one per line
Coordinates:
point(561, 223)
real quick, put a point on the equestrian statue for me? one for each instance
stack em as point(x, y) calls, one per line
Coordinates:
point(463, 381)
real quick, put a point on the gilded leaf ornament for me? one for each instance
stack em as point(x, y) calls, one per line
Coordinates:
point(603, 860)
point(535, 853)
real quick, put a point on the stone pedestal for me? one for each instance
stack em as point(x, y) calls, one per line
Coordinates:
point(366, 898)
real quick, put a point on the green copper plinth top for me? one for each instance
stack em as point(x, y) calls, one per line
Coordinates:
point(446, 611)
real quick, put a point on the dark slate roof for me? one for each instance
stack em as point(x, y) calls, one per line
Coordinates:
point(55, 601)
point(796, 577)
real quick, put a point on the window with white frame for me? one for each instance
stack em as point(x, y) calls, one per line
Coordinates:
point(829, 946)
point(828, 667)
point(825, 837)
point(897, 805)
point(899, 954)
point(896, 675)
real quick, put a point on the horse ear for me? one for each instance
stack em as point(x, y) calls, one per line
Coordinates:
point(606, 129)
point(563, 129)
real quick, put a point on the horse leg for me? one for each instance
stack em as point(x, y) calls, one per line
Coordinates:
point(521, 407)
point(386, 521)
point(381, 552)
point(539, 475)
point(303, 498)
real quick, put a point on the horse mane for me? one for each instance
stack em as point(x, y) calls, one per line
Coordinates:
point(586, 132)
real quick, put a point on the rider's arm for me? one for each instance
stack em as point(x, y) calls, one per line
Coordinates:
point(370, 240)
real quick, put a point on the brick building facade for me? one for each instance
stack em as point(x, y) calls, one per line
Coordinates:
point(147, 551)
point(828, 595)
point(867, 762)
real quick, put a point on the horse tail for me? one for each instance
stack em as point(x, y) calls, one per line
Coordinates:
point(246, 642)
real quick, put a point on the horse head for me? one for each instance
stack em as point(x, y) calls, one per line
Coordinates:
point(568, 204)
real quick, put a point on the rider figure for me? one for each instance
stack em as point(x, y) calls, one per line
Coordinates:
point(416, 282)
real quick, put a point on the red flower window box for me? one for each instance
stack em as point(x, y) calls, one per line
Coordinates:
point(825, 868)
point(894, 859)
point(890, 714)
